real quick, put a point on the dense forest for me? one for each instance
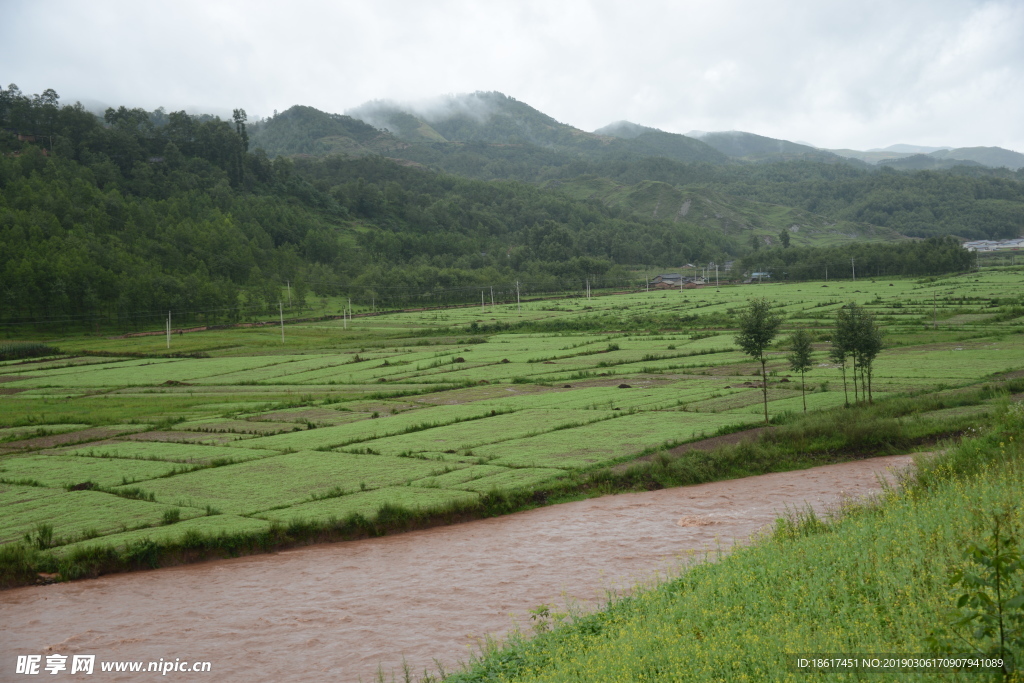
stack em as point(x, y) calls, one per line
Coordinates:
point(120, 218)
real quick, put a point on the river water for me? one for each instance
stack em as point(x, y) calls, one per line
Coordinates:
point(339, 611)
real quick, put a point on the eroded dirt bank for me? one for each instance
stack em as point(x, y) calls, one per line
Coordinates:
point(338, 611)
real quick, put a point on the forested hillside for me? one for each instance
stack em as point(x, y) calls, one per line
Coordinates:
point(499, 138)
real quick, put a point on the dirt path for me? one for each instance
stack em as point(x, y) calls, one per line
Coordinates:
point(338, 611)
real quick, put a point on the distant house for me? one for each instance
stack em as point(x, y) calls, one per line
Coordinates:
point(1015, 244)
point(671, 278)
point(757, 277)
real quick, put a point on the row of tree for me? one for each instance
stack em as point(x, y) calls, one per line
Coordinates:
point(859, 259)
point(856, 338)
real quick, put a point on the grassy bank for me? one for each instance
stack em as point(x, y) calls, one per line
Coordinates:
point(873, 579)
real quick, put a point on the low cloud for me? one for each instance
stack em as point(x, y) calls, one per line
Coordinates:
point(839, 74)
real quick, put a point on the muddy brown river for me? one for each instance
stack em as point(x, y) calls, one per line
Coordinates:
point(340, 611)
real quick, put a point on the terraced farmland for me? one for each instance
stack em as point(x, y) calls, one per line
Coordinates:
point(440, 409)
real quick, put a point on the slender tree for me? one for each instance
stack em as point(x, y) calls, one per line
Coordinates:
point(844, 345)
point(758, 327)
point(799, 357)
point(870, 341)
point(837, 354)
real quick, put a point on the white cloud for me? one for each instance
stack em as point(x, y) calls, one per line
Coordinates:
point(840, 74)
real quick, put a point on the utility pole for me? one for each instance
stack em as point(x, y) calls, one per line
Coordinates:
point(492, 296)
point(280, 309)
point(168, 329)
point(826, 273)
point(853, 269)
point(482, 309)
point(647, 280)
point(716, 276)
point(518, 305)
point(289, 285)
point(935, 315)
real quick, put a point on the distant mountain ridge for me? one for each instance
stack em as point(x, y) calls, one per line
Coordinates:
point(752, 147)
point(491, 135)
point(942, 157)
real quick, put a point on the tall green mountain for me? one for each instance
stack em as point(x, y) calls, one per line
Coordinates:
point(305, 130)
point(651, 142)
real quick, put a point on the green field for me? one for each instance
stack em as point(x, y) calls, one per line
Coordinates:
point(429, 409)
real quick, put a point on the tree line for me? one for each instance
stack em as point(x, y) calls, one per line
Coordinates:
point(859, 259)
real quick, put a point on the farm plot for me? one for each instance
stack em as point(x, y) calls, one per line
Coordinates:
point(74, 514)
point(259, 485)
point(150, 372)
point(512, 479)
point(794, 403)
point(206, 526)
point(188, 437)
point(364, 430)
point(607, 440)
point(284, 366)
point(74, 437)
point(963, 361)
point(71, 470)
point(472, 433)
point(216, 425)
point(367, 503)
point(169, 452)
point(14, 433)
point(602, 398)
point(319, 416)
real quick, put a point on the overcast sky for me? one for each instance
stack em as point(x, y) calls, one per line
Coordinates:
point(835, 73)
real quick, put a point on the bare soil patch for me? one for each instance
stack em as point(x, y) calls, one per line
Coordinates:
point(68, 438)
